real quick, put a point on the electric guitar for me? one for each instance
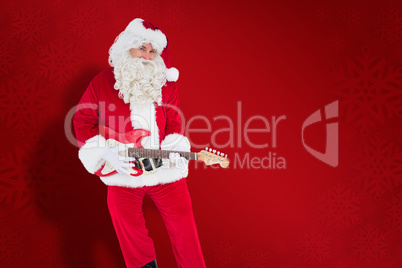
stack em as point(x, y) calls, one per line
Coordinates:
point(132, 140)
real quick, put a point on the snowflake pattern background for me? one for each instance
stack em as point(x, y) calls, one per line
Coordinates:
point(11, 244)
point(350, 17)
point(371, 244)
point(352, 215)
point(253, 257)
point(340, 208)
point(315, 248)
point(223, 253)
point(338, 43)
point(58, 61)
point(389, 27)
point(378, 167)
point(394, 212)
point(50, 252)
point(178, 16)
point(23, 103)
point(370, 90)
point(16, 183)
point(30, 24)
point(86, 21)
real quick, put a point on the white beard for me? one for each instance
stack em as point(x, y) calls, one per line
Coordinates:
point(140, 81)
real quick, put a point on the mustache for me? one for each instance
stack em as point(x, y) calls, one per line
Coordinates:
point(140, 62)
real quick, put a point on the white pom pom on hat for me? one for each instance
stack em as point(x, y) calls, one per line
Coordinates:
point(147, 32)
point(172, 74)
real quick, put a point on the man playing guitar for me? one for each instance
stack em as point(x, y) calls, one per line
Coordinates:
point(134, 104)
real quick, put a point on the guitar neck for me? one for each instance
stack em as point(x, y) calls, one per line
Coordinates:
point(152, 153)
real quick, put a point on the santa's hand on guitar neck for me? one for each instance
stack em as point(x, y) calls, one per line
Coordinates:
point(176, 160)
point(120, 163)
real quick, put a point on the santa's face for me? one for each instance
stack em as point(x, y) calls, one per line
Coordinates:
point(139, 78)
point(146, 51)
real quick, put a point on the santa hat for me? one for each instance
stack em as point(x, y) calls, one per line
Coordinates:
point(140, 32)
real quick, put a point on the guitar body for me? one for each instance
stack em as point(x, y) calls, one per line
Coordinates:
point(130, 139)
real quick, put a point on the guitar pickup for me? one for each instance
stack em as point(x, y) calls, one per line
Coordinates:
point(151, 161)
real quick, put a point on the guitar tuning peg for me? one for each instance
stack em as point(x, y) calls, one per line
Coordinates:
point(206, 148)
point(218, 153)
point(226, 156)
point(222, 154)
point(214, 151)
point(210, 149)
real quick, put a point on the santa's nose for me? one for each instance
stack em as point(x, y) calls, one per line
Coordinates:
point(146, 56)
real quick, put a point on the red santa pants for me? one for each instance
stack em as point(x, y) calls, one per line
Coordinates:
point(174, 204)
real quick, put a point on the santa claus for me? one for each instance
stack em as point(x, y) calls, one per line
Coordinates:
point(139, 92)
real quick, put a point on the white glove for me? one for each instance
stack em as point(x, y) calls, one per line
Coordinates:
point(178, 160)
point(120, 163)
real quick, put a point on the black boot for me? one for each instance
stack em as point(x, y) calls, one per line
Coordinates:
point(151, 264)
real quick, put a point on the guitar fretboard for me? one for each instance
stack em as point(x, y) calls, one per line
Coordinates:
point(152, 153)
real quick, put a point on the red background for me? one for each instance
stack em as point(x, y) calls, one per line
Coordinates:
point(276, 58)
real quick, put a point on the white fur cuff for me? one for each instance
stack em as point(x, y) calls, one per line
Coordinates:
point(175, 140)
point(91, 153)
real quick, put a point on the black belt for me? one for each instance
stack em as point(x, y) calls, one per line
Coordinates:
point(147, 163)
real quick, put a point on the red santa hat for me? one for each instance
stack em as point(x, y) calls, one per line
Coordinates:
point(137, 33)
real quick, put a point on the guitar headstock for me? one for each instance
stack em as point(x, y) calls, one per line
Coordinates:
point(211, 157)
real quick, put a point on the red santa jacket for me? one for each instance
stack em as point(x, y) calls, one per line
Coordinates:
point(101, 105)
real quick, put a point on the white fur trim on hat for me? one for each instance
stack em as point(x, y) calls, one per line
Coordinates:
point(154, 37)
